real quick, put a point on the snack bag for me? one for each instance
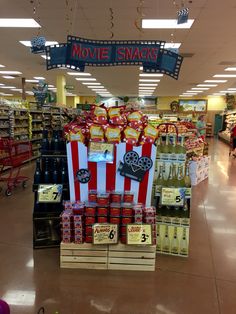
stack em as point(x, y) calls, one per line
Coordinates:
point(113, 133)
point(131, 136)
point(78, 133)
point(116, 115)
point(149, 134)
point(99, 114)
point(135, 119)
point(96, 133)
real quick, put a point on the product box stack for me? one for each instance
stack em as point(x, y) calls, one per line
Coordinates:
point(199, 169)
point(78, 218)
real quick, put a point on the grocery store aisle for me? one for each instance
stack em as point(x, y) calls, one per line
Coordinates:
point(204, 283)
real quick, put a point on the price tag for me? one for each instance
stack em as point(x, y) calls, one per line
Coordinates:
point(139, 234)
point(100, 152)
point(50, 193)
point(105, 234)
point(172, 196)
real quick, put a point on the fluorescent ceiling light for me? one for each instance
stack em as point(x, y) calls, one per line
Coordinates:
point(27, 43)
point(17, 89)
point(100, 90)
point(141, 68)
point(7, 87)
point(143, 84)
point(2, 84)
point(29, 93)
point(185, 95)
point(207, 85)
point(230, 69)
point(215, 81)
point(150, 74)
point(29, 23)
point(10, 72)
point(152, 88)
point(200, 88)
point(91, 83)
point(226, 91)
point(232, 88)
point(165, 23)
point(52, 88)
point(32, 81)
point(94, 86)
point(224, 75)
point(39, 78)
point(2, 66)
point(144, 80)
point(85, 79)
point(192, 91)
point(78, 74)
point(51, 85)
point(172, 45)
point(8, 77)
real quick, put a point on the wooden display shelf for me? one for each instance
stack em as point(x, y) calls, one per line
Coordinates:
point(128, 257)
point(83, 256)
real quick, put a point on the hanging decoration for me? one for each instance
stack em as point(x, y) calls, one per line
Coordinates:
point(41, 92)
point(38, 42)
point(182, 16)
point(138, 21)
point(68, 17)
point(111, 22)
point(174, 106)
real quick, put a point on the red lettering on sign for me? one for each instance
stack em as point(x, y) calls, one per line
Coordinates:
point(76, 50)
point(104, 53)
point(154, 54)
point(121, 53)
point(136, 54)
point(84, 53)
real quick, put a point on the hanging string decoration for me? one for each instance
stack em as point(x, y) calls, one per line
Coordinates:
point(138, 21)
point(69, 14)
point(111, 22)
point(38, 42)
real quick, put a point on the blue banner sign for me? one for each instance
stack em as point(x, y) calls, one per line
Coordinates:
point(79, 52)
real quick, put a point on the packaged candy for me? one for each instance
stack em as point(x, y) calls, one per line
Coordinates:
point(78, 133)
point(128, 197)
point(115, 209)
point(115, 220)
point(103, 198)
point(96, 133)
point(90, 220)
point(78, 208)
point(89, 230)
point(138, 209)
point(66, 216)
point(149, 134)
point(79, 231)
point(78, 239)
point(89, 239)
point(78, 218)
point(131, 136)
point(102, 210)
point(123, 229)
point(102, 219)
point(113, 133)
point(116, 197)
point(135, 119)
point(127, 220)
point(92, 197)
point(127, 209)
point(90, 209)
point(138, 219)
point(66, 238)
point(99, 114)
point(116, 116)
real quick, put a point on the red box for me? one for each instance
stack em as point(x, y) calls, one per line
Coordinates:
point(66, 238)
point(138, 209)
point(127, 212)
point(102, 210)
point(150, 220)
point(115, 220)
point(126, 220)
point(78, 225)
point(103, 199)
point(78, 232)
point(78, 218)
point(90, 220)
point(89, 239)
point(68, 232)
point(123, 239)
point(128, 197)
point(102, 219)
point(78, 240)
point(115, 210)
point(116, 197)
point(67, 225)
point(92, 196)
point(90, 209)
point(123, 229)
point(138, 219)
point(66, 216)
point(89, 230)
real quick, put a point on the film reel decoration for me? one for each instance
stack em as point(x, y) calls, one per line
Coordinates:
point(83, 176)
point(135, 167)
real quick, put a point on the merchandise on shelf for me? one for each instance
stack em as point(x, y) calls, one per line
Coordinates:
point(229, 120)
point(199, 169)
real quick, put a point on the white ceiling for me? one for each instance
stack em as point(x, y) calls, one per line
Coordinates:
point(211, 40)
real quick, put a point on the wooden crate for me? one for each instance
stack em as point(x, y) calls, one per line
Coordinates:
point(83, 256)
point(128, 257)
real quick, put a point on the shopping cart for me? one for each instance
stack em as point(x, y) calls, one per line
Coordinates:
point(12, 155)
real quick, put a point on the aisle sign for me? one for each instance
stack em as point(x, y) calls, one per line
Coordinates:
point(172, 196)
point(50, 193)
point(139, 234)
point(105, 234)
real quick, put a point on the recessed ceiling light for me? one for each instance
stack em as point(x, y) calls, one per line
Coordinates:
point(8, 77)
point(78, 74)
point(2, 66)
point(224, 75)
point(143, 84)
point(150, 74)
point(207, 85)
point(32, 81)
point(10, 72)
point(91, 83)
point(200, 88)
point(39, 78)
point(143, 80)
point(7, 87)
point(85, 79)
point(30, 23)
point(2, 84)
point(230, 69)
point(215, 81)
point(27, 43)
point(165, 23)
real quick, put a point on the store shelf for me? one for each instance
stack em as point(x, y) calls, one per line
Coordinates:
point(21, 126)
point(21, 118)
point(36, 139)
point(4, 118)
point(19, 134)
point(4, 127)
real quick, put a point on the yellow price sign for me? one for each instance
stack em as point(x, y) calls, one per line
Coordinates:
point(105, 234)
point(172, 196)
point(50, 193)
point(139, 234)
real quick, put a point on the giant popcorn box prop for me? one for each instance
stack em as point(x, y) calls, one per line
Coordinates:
point(131, 170)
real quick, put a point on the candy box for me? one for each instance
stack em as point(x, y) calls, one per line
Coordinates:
point(67, 225)
point(78, 225)
point(128, 197)
point(116, 197)
point(123, 239)
point(78, 218)
point(68, 232)
point(78, 232)
point(115, 220)
point(66, 216)
point(89, 239)
point(138, 219)
point(102, 219)
point(90, 209)
point(150, 220)
point(78, 239)
point(126, 220)
point(92, 196)
point(66, 238)
point(67, 205)
point(115, 209)
point(123, 229)
point(103, 199)
point(126, 209)
point(90, 220)
point(89, 230)
point(102, 210)
point(138, 209)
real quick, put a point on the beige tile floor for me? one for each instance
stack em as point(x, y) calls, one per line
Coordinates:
point(204, 283)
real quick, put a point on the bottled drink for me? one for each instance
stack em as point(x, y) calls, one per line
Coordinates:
point(180, 176)
point(158, 238)
point(182, 149)
point(169, 181)
point(175, 243)
point(160, 179)
point(177, 214)
point(184, 243)
point(185, 214)
point(55, 143)
point(166, 241)
point(38, 173)
point(165, 148)
point(47, 176)
point(187, 177)
point(55, 172)
point(64, 174)
point(45, 142)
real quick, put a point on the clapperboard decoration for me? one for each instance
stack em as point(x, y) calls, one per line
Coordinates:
point(182, 16)
point(41, 92)
point(135, 167)
point(38, 44)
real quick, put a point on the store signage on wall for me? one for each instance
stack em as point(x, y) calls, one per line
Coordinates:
point(139, 234)
point(172, 196)
point(78, 53)
point(50, 193)
point(105, 234)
